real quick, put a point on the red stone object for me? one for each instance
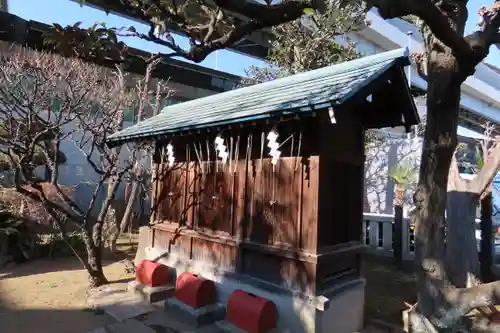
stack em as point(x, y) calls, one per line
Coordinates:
point(194, 290)
point(152, 274)
point(251, 313)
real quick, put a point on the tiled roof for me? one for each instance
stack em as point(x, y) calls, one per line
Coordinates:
point(304, 92)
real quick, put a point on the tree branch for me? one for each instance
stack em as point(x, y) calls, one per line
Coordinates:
point(495, 39)
point(455, 181)
point(431, 14)
point(420, 62)
point(487, 173)
point(468, 299)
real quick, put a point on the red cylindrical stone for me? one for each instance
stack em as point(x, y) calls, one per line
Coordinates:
point(152, 274)
point(251, 313)
point(194, 290)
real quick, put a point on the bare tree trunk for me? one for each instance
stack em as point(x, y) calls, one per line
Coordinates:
point(486, 253)
point(440, 139)
point(462, 260)
point(126, 219)
point(93, 262)
point(94, 240)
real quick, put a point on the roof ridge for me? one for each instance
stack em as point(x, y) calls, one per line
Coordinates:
point(296, 78)
point(302, 92)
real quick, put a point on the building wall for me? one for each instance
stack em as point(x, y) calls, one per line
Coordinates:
point(381, 158)
point(480, 98)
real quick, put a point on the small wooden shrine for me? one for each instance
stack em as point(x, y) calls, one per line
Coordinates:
point(265, 183)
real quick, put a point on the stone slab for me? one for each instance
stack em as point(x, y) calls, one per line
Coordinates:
point(166, 322)
point(162, 324)
point(124, 311)
point(130, 326)
point(197, 317)
point(225, 326)
point(99, 330)
point(119, 303)
point(127, 326)
point(151, 294)
point(107, 294)
point(163, 321)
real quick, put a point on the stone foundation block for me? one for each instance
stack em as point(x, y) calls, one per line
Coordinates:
point(201, 316)
point(152, 294)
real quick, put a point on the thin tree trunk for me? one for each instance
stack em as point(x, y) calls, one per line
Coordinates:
point(130, 206)
point(126, 218)
point(93, 263)
point(94, 240)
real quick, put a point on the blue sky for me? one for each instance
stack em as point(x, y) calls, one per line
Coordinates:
point(67, 12)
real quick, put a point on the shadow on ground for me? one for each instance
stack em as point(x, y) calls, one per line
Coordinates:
point(387, 288)
point(43, 266)
point(50, 295)
point(51, 320)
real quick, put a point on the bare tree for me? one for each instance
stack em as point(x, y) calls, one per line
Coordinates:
point(49, 102)
point(150, 96)
point(448, 60)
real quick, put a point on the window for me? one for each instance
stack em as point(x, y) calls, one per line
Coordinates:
point(223, 83)
point(129, 114)
point(172, 100)
point(56, 104)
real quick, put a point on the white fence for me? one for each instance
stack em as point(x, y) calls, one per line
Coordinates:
point(378, 235)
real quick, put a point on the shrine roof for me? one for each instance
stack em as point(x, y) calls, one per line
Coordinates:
point(297, 94)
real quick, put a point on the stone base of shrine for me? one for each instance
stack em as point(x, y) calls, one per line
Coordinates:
point(339, 309)
point(151, 294)
point(196, 317)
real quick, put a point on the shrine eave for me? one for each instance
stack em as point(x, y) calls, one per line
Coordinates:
point(338, 87)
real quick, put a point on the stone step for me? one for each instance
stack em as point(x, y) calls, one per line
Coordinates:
point(225, 326)
point(117, 302)
point(127, 326)
point(166, 322)
point(195, 317)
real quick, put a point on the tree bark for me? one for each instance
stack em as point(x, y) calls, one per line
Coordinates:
point(440, 139)
point(130, 206)
point(122, 226)
point(93, 263)
point(398, 225)
point(486, 253)
point(462, 260)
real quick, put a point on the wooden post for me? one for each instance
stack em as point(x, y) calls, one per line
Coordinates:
point(398, 235)
point(486, 245)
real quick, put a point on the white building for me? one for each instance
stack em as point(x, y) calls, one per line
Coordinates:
point(480, 99)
